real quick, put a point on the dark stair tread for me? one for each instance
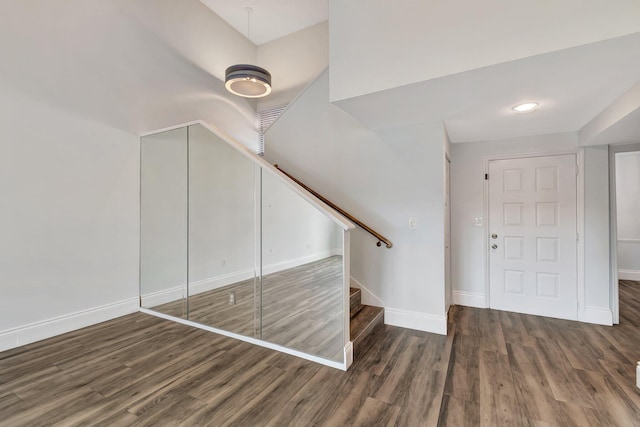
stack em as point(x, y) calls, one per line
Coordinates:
point(365, 322)
point(354, 301)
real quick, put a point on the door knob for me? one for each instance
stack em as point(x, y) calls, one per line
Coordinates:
point(494, 236)
point(494, 246)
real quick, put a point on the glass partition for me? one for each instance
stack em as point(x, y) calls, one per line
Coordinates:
point(163, 225)
point(302, 274)
point(228, 244)
point(221, 234)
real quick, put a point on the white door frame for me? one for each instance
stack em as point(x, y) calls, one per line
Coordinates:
point(614, 297)
point(579, 153)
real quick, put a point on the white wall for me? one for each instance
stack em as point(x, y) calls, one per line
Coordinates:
point(221, 208)
point(596, 231)
point(377, 44)
point(384, 179)
point(294, 61)
point(133, 65)
point(212, 199)
point(163, 215)
point(293, 231)
point(628, 212)
point(69, 245)
point(468, 244)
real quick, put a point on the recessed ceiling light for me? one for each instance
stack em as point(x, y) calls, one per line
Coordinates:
point(527, 107)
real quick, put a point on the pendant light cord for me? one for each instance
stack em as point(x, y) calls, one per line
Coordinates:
point(249, 10)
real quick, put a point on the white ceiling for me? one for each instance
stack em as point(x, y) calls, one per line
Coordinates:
point(572, 86)
point(270, 19)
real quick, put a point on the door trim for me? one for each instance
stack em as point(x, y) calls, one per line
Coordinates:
point(579, 153)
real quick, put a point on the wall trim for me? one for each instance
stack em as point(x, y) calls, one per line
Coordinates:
point(367, 297)
point(598, 315)
point(285, 265)
point(470, 299)
point(48, 328)
point(415, 320)
point(629, 275)
point(636, 241)
point(175, 293)
point(337, 365)
point(348, 355)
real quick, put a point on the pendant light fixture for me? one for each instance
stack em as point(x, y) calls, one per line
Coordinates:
point(248, 81)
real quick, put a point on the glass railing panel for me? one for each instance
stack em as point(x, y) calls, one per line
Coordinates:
point(222, 236)
point(163, 225)
point(302, 274)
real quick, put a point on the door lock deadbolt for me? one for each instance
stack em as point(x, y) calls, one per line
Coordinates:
point(494, 236)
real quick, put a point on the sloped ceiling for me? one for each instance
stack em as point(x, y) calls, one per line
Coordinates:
point(270, 19)
point(572, 86)
point(137, 66)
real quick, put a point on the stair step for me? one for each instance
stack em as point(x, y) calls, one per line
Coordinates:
point(354, 297)
point(368, 320)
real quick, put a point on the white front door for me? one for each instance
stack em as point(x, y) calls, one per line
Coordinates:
point(533, 236)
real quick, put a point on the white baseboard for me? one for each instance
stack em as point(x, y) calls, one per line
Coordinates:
point(367, 297)
point(212, 283)
point(154, 299)
point(177, 292)
point(415, 320)
point(337, 365)
point(469, 299)
point(285, 265)
point(629, 275)
point(597, 315)
point(348, 355)
point(69, 322)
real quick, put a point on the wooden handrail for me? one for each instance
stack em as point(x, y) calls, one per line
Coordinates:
point(365, 227)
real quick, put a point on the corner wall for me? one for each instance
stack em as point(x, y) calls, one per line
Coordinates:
point(468, 250)
point(628, 205)
point(70, 221)
point(384, 178)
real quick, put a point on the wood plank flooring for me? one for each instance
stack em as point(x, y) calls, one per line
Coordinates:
point(494, 368)
point(301, 308)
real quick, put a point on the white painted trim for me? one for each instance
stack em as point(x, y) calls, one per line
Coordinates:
point(164, 296)
point(629, 275)
point(579, 153)
point(205, 285)
point(285, 265)
point(37, 331)
point(633, 241)
point(580, 225)
point(168, 128)
point(255, 341)
point(346, 298)
point(367, 297)
point(614, 297)
point(197, 287)
point(598, 315)
point(348, 354)
point(469, 299)
point(415, 320)
point(330, 213)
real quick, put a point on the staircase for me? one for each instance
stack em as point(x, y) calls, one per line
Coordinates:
point(366, 320)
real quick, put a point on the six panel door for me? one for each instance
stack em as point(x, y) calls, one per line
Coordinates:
point(533, 235)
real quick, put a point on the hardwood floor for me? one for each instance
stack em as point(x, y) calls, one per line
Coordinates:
point(494, 368)
point(301, 308)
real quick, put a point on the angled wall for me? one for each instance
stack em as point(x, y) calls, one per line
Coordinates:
point(377, 44)
point(383, 178)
